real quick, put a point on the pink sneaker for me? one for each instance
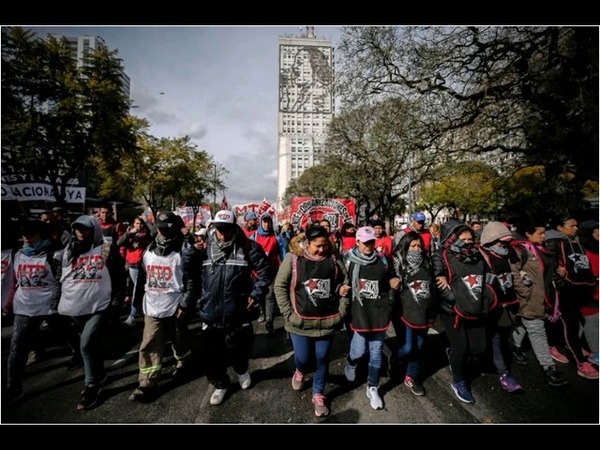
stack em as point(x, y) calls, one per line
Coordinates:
point(558, 356)
point(297, 380)
point(321, 408)
point(586, 370)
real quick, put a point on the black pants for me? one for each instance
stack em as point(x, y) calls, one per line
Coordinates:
point(224, 346)
point(469, 338)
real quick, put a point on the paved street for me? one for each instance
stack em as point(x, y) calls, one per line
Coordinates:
point(52, 391)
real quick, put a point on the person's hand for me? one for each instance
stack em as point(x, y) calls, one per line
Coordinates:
point(442, 283)
point(344, 290)
point(562, 271)
point(395, 283)
point(251, 302)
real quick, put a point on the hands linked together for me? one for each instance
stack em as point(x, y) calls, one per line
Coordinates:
point(344, 290)
point(441, 282)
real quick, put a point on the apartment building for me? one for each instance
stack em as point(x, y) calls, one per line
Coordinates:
point(306, 103)
point(82, 45)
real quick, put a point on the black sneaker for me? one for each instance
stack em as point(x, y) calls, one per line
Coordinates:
point(554, 377)
point(270, 328)
point(415, 387)
point(89, 397)
point(519, 356)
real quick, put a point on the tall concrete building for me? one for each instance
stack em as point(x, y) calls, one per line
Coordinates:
point(82, 45)
point(306, 103)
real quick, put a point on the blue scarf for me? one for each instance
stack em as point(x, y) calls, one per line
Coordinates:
point(35, 248)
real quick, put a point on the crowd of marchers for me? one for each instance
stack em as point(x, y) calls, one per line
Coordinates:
point(491, 286)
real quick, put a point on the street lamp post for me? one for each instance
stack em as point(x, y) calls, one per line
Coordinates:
point(410, 201)
point(214, 207)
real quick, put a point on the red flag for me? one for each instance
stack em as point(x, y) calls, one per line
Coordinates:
point(224, 204)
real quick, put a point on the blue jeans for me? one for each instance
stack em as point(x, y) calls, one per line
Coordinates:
point(410, 349)
point(304, 348)
point(91, 328)
point(358, 347)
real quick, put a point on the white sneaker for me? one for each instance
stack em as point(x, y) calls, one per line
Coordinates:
point(218, 396)
point(130, 321)
point(245, 380)
point(350, 372)
point(375, 399)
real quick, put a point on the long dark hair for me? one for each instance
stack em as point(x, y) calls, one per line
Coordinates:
point(401, 263)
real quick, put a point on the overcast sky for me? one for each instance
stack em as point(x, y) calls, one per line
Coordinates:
point(216, 84)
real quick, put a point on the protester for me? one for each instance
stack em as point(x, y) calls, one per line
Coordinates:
point(134, 240)
point(418, 224)
point(265, 236)
point(372, 276)
point(533, 274)
point(91, 275)
point(285, 235)
point(496, 252)
point(335, 237)
point(383, 243)
point(588, 237)
point(414, 313)
point(477, 228)
point(311, 289)
point(348, 236)
point(250, 223)
point(436, 233)
point(112, 230)
point(576, 284)
point(160, 290)
point(59, 236)
point(35, 291)
point(200, 238)
point(464, 300)
point(228, 299)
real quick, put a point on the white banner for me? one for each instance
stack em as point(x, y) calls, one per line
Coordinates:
point(40, 191)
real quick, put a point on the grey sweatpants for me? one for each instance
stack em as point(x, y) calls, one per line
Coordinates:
point(536, 329)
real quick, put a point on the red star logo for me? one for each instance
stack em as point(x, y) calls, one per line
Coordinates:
point(311, 284)
point(471, 280)
point(416, 285)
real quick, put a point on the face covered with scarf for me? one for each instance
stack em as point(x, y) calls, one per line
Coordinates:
point(462, 244)
point(34, 242)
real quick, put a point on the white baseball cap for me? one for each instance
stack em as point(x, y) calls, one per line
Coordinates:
point(224, 217)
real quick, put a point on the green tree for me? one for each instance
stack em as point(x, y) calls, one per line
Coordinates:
point(469, 187)
point(531, 91)
point(58, 117)
point(378, 150)
point(167, 172)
